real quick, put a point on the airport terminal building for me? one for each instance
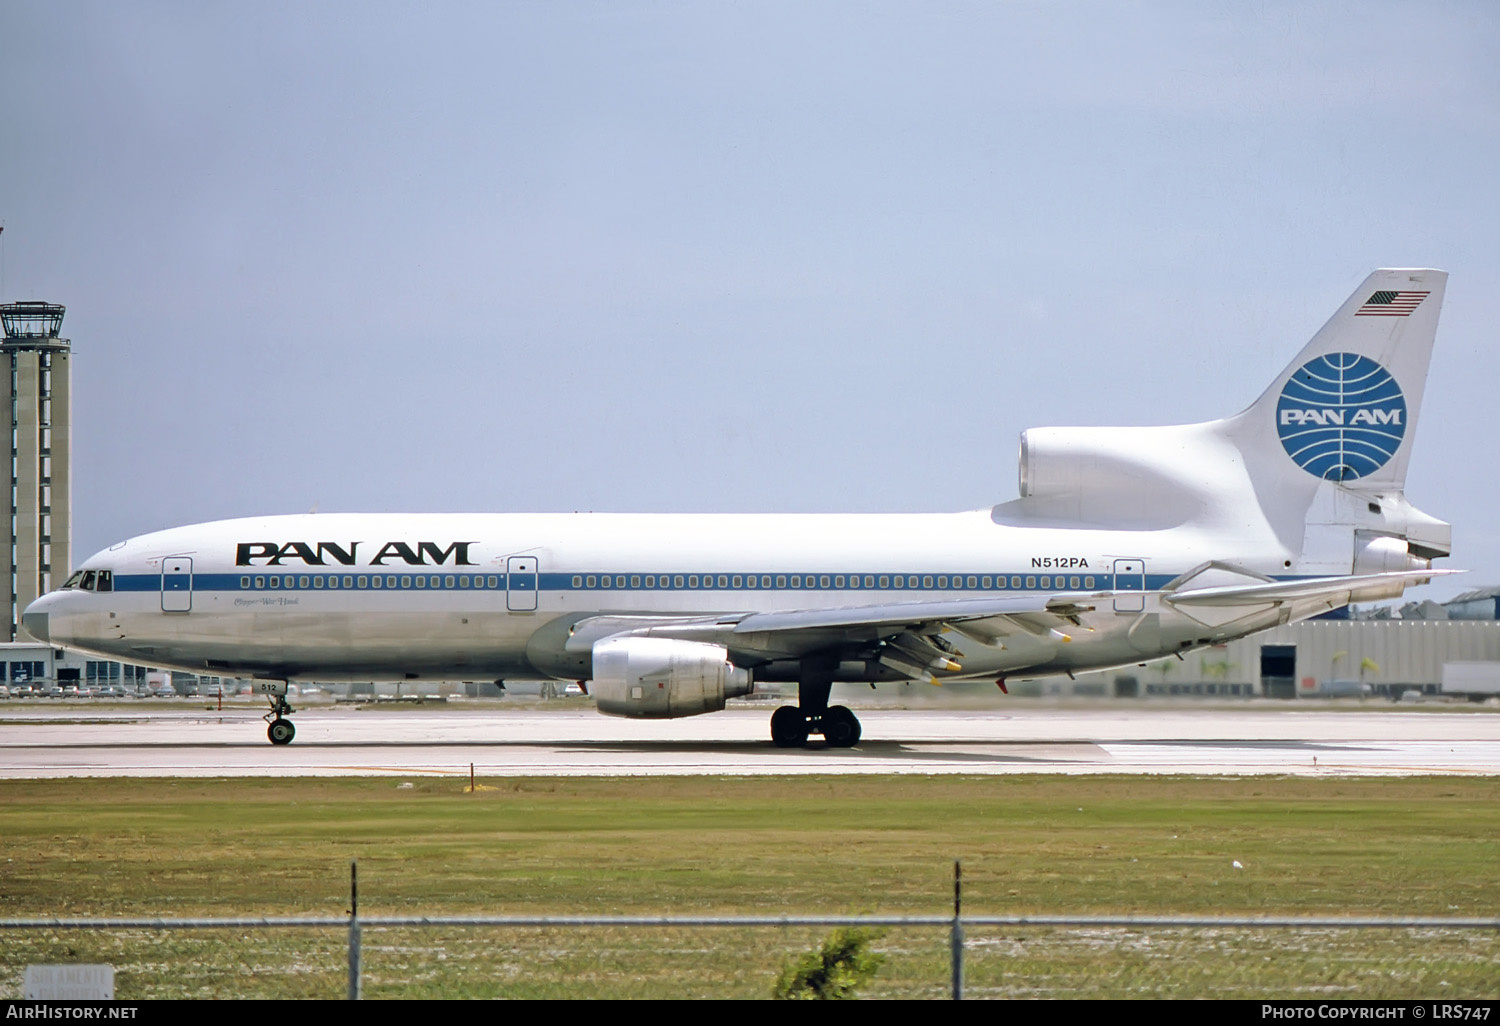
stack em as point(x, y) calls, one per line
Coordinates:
point(1332, 658)
point(1382, 652)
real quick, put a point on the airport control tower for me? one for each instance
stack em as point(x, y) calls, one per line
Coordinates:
point(41, 466)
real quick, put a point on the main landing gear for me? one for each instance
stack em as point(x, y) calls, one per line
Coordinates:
point(280, 730)
point(791, 725)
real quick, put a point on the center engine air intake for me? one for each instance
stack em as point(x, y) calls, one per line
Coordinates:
point(663, 678)
point(1140, 477)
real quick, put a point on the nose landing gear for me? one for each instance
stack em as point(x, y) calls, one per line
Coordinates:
point(280, 730)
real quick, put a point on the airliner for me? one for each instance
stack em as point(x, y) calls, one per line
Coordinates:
point(1126, 544)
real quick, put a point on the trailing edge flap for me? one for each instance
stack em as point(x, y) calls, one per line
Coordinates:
point(1032, 614)
point(911, 614)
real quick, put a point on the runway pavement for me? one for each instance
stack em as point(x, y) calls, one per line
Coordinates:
point(186, 739)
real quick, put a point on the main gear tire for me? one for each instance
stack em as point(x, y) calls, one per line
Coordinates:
point(840, 727)
point(789, 727)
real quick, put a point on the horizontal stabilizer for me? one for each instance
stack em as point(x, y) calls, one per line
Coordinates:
point(1362, 585)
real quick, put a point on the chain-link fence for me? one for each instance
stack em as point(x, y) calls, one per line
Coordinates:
point(741, 957)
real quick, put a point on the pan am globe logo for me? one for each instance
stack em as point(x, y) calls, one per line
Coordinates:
point(1341, 416)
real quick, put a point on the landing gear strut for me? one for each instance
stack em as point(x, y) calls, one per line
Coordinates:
point(792, 724)
point(280, 730)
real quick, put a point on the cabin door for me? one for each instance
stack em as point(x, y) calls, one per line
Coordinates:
point(1130, 585)
point(520, 584)
point(177, 585)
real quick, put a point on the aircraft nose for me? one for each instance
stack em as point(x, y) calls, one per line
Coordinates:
point(34, 620)
point(35, 624)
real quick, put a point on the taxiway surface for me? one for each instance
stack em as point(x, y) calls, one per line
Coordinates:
point(45, 741)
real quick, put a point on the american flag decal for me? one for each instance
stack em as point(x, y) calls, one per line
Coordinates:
point(1387, 303)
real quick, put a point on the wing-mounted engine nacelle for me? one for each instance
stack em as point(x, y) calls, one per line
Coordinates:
point(663, 678)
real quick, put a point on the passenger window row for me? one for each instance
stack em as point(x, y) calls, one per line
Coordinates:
point(360, 582)
point(823, 582)
point(102, 580)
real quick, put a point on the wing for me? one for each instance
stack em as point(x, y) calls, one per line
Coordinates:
point(908, 637)
point(905, 636)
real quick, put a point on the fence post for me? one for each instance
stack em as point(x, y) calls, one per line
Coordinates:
point(354, 953)
point(956, 939)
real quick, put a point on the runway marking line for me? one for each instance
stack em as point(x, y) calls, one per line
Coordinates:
point(400, 769)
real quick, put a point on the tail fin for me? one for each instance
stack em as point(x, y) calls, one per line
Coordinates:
point(1346, 408)
point(1327, 445)
point(1314, 470)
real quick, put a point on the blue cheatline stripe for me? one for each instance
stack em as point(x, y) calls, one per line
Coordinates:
point(886, 584)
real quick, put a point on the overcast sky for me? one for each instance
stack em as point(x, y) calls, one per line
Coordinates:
point(723, 256)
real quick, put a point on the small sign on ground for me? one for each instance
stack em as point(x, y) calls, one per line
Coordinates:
point(69, 983)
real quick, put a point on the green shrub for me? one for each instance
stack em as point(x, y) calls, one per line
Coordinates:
point(832, 973)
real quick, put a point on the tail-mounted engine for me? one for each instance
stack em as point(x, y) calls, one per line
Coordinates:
point(1126, 476)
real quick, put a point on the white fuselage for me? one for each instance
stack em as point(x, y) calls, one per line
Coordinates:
point(1125, 544)
point(493, 596)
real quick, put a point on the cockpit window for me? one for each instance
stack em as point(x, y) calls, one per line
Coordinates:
point(91, 580)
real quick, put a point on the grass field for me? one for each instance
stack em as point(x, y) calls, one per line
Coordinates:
point(715, 845)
